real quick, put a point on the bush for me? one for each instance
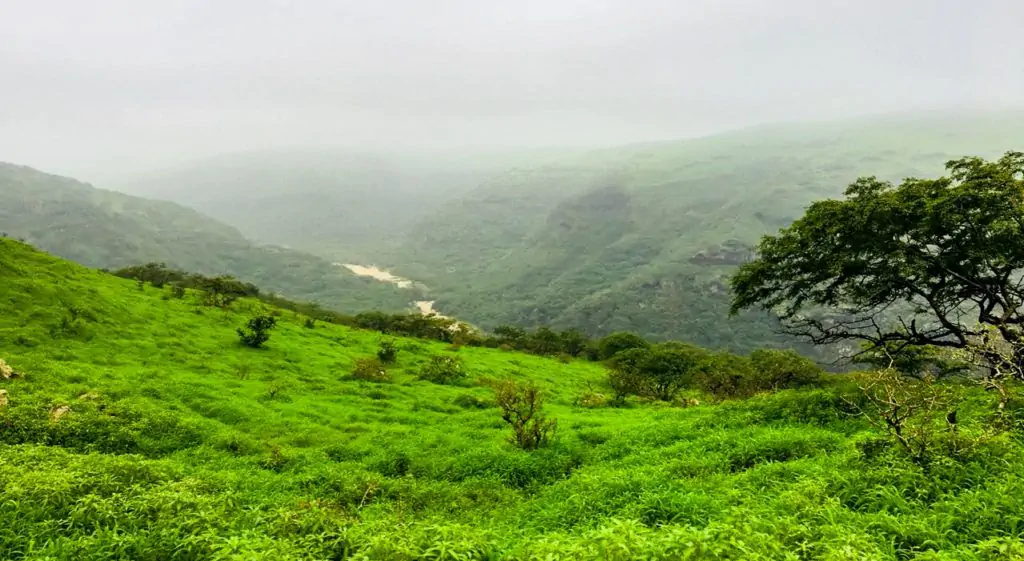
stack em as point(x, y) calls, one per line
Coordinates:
point(777, 369)
point(920, 415)
point(310, 323)
point(590, 399)
point(659, 372)
point(443, 369)
point(521, 407)
point(371, 370)
point(387, 352)
point(618, 342)
point(257, 331)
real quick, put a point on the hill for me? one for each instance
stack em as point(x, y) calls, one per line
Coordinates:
point(100, 228)
point(141, 429)
point(644, 237)
point(342, 205)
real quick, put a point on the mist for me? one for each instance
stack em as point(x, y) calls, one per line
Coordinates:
point(113, 86)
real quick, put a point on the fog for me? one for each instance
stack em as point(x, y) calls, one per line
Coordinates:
point(118, 85)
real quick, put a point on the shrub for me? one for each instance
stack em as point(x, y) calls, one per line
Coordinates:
point(659, 372)
point(521, 407)
point(920, 415)
point(310, 323)
point(781, 369)
point(443, 369)
point(257, 331)
point(177, 291)
point(590, 399)
point(387, 352)
point(725, 376)
point(625, 382)
point(371, 370)
point(618, 342)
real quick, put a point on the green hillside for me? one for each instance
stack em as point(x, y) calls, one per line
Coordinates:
point(342, 205)
point(100, 228)
point(140, 428)
point(642, 237)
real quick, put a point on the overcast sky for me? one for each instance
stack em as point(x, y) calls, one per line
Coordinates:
point(119, 85)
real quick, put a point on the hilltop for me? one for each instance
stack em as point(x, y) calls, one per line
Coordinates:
point(140, 428)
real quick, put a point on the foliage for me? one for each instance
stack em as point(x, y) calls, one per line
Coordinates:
point(443, 369)
point(370, 369)
point(778, 369)
point(522, 407)
point(387, 352)
point(257, 331)
point(613, 344)
point(919, 414)
point(179, 454)
point(900, 264)
point(660, 371)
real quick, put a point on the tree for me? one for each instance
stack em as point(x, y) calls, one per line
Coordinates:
point(660, 371)
point(619, 341)
point(902, 266)
point(573, 342)
point(257, 331)
point(522, 408)
point(221, 291)
point(776, 369)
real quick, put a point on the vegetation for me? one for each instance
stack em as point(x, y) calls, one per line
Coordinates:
point(443, 369)
point(257, 331)
point(149, 433)
point(644, 238)
point(105, 229)
point(521, 407)
point(900, 267)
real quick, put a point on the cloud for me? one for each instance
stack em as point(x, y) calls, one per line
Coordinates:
point(115, 84)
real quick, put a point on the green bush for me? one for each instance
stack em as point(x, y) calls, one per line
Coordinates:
point(443, 369)
point(522, 408)
point(781, 369)
point(257, 331)
point(387, 352)
point(370, 369)
point(618, 342)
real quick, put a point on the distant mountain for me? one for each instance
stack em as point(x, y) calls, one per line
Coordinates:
point(341, 205)
point(100, 228)
point(644, 237)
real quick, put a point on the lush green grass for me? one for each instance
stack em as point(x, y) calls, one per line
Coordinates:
point(195, 447)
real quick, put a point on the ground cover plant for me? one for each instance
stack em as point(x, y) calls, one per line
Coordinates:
point(135, 426)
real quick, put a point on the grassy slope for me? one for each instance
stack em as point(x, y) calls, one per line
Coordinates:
point(611, 240)
point(186, 454)
point(107, 229)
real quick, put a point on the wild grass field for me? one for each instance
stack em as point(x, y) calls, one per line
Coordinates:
point(142, 429)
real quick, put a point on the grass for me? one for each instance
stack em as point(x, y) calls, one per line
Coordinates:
point(183, 444)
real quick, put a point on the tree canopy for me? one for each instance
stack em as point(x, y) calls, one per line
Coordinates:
point(929, 262)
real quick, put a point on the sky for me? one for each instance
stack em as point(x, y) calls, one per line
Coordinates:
point(126, 85)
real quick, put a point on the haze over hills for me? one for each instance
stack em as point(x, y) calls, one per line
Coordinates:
point(638, 237)
point(643, 237)
point(344, 205)
point(100, 228)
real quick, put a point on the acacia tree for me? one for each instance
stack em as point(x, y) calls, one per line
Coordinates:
point(930, 262)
